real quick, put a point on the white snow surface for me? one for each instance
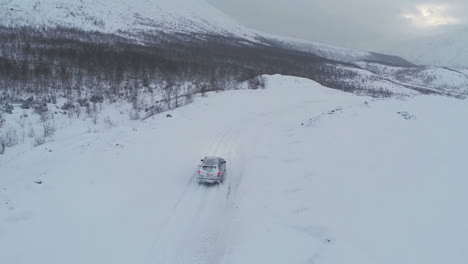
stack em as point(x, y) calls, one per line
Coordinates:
point(183, 16)
point(314, 176)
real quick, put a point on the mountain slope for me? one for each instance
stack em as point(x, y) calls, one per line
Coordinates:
point(183, 16)
point(450, 81)
point(152, 39)
point(334, 52)
point(169, 16)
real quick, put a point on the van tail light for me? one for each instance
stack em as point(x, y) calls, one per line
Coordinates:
point(219, 173)
point(198, 172)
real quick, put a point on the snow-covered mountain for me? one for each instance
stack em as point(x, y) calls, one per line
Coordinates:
point(451, 81)
point(196, 21)
point(111, 16)
point(444, 49)
point(334, 52)
point(169, 16)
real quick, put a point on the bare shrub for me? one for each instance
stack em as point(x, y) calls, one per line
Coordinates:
point(70, 113)
point(27, 103)
point(167, 96)
point(89, 111)
point(257, 83)
point(94, 118)
point(76, 111)
point(154, 110)
point(134, 101)
point(9, 138)
point(39, 141)
point(48, 123)
point(92, 112)
point(40, 109)
point(189, 96)
point(261, 82)
point(22, 123)
point(7, 108)
point(2, 121)
point(49, 129)
point(52, 99)
point(68, 105)
point(176, 96)
point(31, 131)
point(108, 122)
point(83, 102)
point(96, 99)
point(134, 114)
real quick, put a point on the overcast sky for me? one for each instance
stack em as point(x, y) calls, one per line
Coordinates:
point(373, 25)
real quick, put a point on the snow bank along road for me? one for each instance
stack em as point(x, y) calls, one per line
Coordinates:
point(314, 176)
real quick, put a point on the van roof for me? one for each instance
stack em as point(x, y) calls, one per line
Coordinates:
point(211, 161)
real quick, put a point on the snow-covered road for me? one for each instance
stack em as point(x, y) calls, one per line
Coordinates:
point(314, 176)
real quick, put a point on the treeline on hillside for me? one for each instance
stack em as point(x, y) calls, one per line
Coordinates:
point(48, 62)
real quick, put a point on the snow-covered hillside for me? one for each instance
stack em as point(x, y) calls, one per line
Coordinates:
point(323, 50)
point(444, 49)
point(182, 16)
point(447, 80)
point(314, 176)
point(179, 16)
point(334, 52)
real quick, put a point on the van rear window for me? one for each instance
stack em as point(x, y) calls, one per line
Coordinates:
point(210, 162)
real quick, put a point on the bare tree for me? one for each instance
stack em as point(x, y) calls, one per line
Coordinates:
point(168, 92)
point(1, 119)
point(189, 95)
point(176, 95)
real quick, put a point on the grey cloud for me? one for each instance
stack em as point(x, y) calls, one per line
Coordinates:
point(364, 24)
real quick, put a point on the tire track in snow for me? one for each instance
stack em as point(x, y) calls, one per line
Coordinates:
point(191, 239)
point(190, 183)
point(215, 238)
